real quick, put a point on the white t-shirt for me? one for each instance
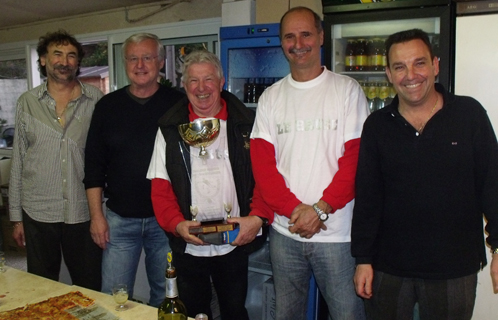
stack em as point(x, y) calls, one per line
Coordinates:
point(308, 123)
point(212, 185)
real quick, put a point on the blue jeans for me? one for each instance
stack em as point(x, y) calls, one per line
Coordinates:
point(122, 254)
point(333, 268)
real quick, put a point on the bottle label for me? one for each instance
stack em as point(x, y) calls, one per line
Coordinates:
point(361, 60)
point(384, 61)
point(171, 288)
point(384, 92)
point(171, 316)
point(375, 60)
point(372, 92)
point(350, 61)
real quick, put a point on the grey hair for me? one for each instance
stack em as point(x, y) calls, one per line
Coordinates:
point(201, 56)
point(139, 37)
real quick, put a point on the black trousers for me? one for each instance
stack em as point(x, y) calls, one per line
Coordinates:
point(229, 275)
point(395, 297)
point(46, 243)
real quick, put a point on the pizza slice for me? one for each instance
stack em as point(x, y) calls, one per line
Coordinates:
point(50, 309)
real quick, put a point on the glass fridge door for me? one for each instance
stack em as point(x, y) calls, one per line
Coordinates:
point(252, 65)
point(359, 52)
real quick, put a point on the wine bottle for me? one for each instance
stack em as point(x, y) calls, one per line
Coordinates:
point(172, 308)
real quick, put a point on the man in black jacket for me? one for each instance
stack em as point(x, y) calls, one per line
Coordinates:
point(427, 171)
point(184, 182)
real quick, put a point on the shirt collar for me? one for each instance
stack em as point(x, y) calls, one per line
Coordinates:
point(222, 115)
point(44, 90)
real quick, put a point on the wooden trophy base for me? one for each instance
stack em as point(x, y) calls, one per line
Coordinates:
point(213, 226)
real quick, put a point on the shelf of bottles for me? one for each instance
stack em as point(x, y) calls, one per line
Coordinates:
point(365, 60)
point(359, 52)
point(254, 87)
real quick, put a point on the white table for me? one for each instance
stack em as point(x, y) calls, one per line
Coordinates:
point(18, 288)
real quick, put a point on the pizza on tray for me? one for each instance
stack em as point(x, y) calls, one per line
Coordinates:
point(52, 308)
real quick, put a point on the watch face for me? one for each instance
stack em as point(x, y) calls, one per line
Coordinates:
point(324, 216)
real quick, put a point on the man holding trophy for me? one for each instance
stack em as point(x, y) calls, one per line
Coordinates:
point(202, 185)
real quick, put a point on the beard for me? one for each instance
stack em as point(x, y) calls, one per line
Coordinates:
point(65, 73)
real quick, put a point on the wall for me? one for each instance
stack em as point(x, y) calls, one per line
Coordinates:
point(268, 11)
point(476, 66)
point(115, 20)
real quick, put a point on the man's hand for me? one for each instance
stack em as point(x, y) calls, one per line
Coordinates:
point(494, 272)
point(249, 227)
point(304, 221)
point(363, 278)
point(18, 234)
point(99, 229)
point(183, 230)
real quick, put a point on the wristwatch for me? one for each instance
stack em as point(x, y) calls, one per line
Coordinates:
point(322, 215)
point(265, 221)
point(494, 250)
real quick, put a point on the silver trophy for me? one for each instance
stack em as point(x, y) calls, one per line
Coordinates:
point(200, 133)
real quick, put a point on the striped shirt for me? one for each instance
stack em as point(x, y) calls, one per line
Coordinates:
point(46, 179)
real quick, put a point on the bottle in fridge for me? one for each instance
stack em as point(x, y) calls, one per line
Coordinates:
point(355, 35)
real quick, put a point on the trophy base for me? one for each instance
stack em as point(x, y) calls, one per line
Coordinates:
point(213, 227)
point(219, 238)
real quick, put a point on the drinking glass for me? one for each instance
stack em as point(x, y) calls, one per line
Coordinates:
point(2, 261)
point(120, 294)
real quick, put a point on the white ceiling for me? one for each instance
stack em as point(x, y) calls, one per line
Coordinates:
point(18, 12)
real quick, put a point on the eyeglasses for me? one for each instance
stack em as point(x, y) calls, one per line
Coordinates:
point(145, 59)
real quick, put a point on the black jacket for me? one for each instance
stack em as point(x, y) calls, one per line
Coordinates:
point(420, 199)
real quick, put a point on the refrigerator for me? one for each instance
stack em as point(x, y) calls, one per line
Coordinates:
point(355, 33)
point(252, 59)
point(476, 66)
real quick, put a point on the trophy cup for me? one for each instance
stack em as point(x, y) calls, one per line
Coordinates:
point(200, 133)
point(194, 211)
point(228, 209)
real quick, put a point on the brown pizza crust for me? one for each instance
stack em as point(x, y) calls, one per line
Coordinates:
point(50, 309)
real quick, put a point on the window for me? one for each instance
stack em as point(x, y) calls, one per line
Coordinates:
point(175, 36)
point(13, 82)
point(175, 50)
point(94, 67)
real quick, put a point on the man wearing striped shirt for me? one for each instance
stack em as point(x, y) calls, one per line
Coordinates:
point(47, 199)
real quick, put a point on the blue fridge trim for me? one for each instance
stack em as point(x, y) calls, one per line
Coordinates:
point(250, 31)
point(248, 36)
point(313, 295)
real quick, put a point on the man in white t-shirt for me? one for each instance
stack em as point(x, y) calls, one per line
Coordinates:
point(304, 150)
